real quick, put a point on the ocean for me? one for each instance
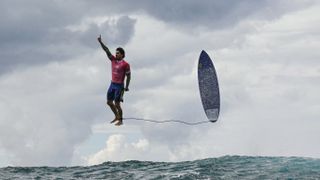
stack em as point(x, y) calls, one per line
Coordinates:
point(226, 167)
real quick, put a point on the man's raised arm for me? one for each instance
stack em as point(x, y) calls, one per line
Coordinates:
point(105, 48)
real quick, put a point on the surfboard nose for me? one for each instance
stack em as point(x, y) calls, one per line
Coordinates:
point(203, 53)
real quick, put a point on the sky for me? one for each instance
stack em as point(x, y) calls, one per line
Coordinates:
point(54, 77)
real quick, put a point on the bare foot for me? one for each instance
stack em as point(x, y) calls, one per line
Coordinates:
point(119, 123)
point(115, 119)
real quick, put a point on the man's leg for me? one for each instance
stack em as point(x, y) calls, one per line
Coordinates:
point(119, 110)
point(114, 110)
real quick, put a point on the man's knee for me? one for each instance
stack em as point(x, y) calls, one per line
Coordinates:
point(110, 103)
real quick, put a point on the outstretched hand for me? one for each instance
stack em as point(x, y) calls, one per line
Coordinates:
point(99, 38)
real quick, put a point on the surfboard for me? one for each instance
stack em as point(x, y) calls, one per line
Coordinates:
point(208, 87)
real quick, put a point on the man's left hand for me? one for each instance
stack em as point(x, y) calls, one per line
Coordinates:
point(126, 89)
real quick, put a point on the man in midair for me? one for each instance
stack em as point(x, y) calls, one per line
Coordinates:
point(120, 69)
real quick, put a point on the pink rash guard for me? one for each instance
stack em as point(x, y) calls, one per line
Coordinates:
point(119, 69)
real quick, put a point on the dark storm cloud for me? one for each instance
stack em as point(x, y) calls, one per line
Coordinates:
point(214, 14)
point(34, 32)
point(207, 13)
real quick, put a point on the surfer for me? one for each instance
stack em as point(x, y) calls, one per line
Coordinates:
point(120, 70)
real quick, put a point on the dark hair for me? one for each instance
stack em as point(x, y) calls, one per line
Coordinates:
point(121, 50)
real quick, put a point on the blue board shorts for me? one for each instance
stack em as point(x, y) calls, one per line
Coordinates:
point(115, 92)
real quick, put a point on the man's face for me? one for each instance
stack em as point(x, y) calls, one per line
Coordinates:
point(119, 56)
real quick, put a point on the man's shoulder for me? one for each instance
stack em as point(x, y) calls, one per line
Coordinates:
point(125, 62)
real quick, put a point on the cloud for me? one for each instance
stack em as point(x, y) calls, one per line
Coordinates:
point(213, 14)
point(62, 44)
point(43, 122)
point(118, 149)
point(37, 32)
